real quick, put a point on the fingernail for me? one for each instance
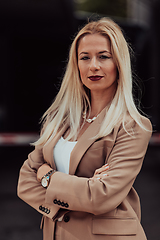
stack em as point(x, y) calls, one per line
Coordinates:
point(105, 174)
point(98, 178)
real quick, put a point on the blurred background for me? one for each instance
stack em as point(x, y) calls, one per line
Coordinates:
point(35, 36)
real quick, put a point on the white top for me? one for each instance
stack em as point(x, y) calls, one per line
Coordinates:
point(61, 154)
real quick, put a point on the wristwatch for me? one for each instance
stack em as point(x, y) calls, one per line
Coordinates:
point(45, 179)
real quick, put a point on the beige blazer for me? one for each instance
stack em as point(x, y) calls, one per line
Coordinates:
point(75, 207)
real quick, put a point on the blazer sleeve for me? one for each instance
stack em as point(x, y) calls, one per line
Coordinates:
point(29, 189)
point(102, 196)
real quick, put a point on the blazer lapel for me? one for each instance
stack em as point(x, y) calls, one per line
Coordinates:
point(85, 142)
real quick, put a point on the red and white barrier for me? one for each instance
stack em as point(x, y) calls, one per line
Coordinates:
point(155, 139)
point(15, 139)
point(23, 139)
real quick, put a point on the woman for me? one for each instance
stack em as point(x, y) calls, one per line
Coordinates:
point(80, 175)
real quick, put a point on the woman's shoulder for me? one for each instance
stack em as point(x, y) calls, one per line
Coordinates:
point(139, 123)
point(146, 122)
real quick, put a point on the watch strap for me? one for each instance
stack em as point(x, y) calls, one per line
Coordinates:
point(49, 173)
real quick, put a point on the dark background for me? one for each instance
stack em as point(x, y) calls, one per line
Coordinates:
point(35, 37)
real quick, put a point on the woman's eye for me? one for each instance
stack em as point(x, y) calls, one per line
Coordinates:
point(104, 57)
point(84, 58)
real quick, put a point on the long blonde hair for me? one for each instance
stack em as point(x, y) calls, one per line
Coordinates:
point(73, 99)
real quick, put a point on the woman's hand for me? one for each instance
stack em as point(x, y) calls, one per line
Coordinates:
point(100, 172)
point(44, 169)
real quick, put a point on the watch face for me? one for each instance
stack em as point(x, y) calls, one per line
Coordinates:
point(44, 182)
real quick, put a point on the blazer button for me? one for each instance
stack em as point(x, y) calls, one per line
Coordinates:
point(59, 202)
point(40, 207)
point(43, 209)
point(55, 201)
point(66, 205)
point(62, 204)
point(46, 210)
point(66, 218)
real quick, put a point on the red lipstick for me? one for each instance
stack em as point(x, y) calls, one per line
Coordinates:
point(95, 78)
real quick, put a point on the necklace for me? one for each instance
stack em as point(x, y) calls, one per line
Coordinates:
point(89, 120)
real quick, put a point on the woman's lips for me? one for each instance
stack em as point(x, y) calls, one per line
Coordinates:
point(95, 78)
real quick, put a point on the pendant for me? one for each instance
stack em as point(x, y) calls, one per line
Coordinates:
point(89, 120)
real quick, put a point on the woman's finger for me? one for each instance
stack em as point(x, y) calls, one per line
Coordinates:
point(102, 169)
point(99, 176)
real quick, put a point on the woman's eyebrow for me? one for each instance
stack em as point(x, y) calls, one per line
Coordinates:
point(83, 53)
point(104, 52)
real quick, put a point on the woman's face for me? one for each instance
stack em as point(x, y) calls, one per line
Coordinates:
point(95, 62)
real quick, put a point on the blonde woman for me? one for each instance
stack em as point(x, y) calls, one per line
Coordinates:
point(80, 175)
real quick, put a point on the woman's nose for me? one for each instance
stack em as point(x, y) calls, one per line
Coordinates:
point(94, 64)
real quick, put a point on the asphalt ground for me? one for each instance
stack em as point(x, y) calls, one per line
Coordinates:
point(19, 221)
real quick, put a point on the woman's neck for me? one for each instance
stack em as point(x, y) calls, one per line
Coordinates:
point(98, 103)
